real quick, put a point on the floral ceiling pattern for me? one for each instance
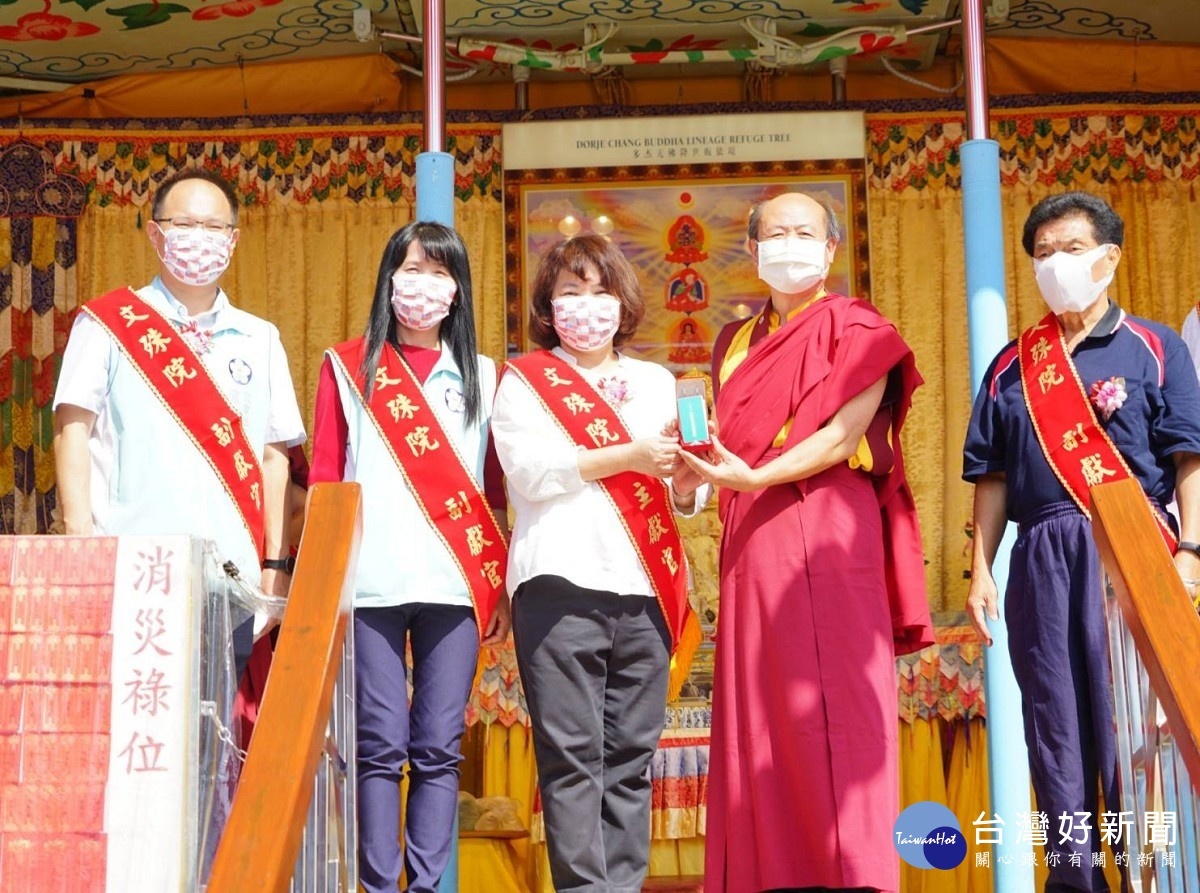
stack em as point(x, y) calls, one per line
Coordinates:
point(82, 40)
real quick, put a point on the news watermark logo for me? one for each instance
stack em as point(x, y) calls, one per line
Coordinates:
point(927, 835)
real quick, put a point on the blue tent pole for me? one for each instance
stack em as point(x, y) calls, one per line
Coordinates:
point(435, 204)
point(987, 325)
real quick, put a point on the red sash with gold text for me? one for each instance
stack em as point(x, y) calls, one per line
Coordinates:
point(180, 380)
point(1078, 449)
point(641, 501)
point(445, 489)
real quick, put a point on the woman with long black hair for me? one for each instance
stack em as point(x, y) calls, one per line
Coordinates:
point(405, 410)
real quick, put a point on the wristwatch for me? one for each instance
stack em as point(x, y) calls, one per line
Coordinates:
point(288, 565)
point(1185, 546)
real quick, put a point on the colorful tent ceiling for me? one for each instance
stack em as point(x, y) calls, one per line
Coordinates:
point(82, 40)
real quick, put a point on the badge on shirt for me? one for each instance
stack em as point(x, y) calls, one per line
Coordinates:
point(240, 370)
point(454, 400)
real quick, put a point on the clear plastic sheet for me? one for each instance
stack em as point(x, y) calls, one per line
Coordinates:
point(230, 602)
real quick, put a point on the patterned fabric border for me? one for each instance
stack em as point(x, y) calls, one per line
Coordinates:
point(944, 680)
point(37, 252)
point(952, 106)
point(1046, 148)
point(299, 165)
point(497, 696)
point(1041, 146)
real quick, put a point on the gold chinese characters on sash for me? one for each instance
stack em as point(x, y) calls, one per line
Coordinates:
point(180, 381)
point(444, 487)
point(1078, 449)
point(642, 502)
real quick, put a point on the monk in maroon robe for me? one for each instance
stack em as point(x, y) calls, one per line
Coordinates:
point(822, 575)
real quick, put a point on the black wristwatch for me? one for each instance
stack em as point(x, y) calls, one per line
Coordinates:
point(287, 565)
point(1184, 546)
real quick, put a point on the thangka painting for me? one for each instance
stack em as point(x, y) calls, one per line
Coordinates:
point(684, 230)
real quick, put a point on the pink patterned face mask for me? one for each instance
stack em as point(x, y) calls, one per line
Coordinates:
point(421, 301)
point(194, 255)
point(586, 323)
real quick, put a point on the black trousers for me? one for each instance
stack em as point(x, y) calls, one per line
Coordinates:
point(594, 667)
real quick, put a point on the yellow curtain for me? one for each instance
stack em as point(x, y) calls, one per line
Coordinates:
point(308, 268)
point(919, 282)
point(922, 777)
point(967, 796)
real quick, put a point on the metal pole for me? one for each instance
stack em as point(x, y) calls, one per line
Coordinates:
point(837, 72)
point(435, 167)
point(987, 325)
point(520, 76)
point(435, 203)
point(975, 62)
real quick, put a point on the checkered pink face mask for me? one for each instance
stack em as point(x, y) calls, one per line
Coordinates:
point(586, 323)
point(195, 256)
point(421, 301)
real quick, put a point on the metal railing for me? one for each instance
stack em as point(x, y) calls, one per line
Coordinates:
point(328, 859)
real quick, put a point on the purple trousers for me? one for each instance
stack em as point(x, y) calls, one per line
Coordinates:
point(426, 735)
point(1058, 640)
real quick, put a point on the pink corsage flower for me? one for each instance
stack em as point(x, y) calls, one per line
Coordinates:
point(614, 389)
point(1109, 396)
point(200, 340)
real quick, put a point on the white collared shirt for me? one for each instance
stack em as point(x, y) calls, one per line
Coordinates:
point(146, 474)
point(565, 525)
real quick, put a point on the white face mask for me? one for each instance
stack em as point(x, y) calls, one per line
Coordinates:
point(195, 256)
point(586, 323)
point(792, 265)
point(1065, 280)
point(421, 301)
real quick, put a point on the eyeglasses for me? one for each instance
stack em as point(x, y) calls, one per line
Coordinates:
point(212, 226)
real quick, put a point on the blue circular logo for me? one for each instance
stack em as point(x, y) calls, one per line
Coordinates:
point(927, 835)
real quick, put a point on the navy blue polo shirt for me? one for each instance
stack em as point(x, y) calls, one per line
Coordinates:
point(1160, 415)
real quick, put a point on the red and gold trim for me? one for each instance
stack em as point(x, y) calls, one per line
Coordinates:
point(188, 393)
point(1076, 446)
point(642, 502)
point(445, 489)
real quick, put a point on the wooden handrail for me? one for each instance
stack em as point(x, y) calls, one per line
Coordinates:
point(1155, 607)
point(262, 837)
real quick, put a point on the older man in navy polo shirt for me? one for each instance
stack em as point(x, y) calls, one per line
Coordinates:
point(1089, 394)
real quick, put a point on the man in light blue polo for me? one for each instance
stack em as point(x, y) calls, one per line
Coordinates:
point(134, 451)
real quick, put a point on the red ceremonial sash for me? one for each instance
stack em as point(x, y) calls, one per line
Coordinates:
point(641, 501)
point(444, 487)
point(179, 379)
point(1076, 446)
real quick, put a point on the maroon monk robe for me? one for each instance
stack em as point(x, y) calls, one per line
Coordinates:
point(822, 583)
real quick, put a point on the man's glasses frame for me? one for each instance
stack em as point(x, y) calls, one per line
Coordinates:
point(212, 226)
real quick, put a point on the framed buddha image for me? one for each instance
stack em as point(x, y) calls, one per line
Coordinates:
point(683, 228)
